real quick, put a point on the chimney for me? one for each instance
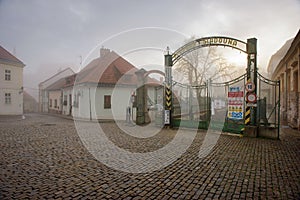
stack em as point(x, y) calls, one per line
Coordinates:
point(103, 52)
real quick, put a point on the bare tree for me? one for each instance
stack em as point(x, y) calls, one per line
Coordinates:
point(201, 65)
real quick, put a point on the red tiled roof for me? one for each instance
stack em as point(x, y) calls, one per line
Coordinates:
point(57, 85)
point(63, 83)
point(5, 56)
point(57, 74)
point(69, 80)
point(111, 69)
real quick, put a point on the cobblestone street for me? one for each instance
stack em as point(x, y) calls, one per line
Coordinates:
point(42, 157)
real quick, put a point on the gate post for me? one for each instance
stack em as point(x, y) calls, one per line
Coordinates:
point(250, 113)
point(142, 115)
point(168, 89)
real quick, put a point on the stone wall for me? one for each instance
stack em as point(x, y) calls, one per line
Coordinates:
point(292, 114)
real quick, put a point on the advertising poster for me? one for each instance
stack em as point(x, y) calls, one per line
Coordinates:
point(235, 102)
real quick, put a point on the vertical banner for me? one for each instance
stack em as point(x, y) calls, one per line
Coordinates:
point(235, 103)
point(168, 89)
point(250, 115)
point(168, 104)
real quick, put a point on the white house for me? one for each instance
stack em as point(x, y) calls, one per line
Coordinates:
point(55, 96)
point(59, 95)
point(43, 93)
point(11, 84)
point(103, 89)
point(67, 95)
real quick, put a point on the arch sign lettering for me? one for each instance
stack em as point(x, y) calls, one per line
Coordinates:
point(209, 41)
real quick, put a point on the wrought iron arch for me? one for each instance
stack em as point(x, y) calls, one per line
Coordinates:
point(154, 72)
point(207, 42)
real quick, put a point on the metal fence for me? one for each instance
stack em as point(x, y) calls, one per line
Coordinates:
point(268, 106)
point(191, 106)
point(221, 106)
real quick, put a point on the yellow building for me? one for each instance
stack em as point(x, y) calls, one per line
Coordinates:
point(285, 66)
point(11, 84)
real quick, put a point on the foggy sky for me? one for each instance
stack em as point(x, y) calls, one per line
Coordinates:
point(52, 35)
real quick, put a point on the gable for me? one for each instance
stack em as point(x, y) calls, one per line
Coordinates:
point(7, 58)
point(108, 69)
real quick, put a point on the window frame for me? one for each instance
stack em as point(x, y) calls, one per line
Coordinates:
point(76, 100)
point(7, 75)
point(107, 101)
point(8, 98)
point(65, 100)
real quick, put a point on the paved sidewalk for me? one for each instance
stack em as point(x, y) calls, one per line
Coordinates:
point(42, 157)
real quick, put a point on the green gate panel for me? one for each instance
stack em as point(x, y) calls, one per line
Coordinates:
point(190, 124)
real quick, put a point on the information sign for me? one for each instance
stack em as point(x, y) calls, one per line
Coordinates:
point(235, 103)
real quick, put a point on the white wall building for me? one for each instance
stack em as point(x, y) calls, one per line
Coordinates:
point(11, 84)
point(67, 95)
point(43, 93)
point(103, 89)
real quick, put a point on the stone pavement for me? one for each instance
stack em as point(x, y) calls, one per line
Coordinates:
point(42, 157)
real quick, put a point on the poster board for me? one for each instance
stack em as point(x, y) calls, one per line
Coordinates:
point(235, 103)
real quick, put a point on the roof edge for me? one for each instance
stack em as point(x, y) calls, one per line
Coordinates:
point(57, 74)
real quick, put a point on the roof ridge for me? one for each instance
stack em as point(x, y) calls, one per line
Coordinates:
point(57, 74)
point(9, 56)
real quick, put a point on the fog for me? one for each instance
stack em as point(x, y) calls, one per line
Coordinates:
point(49, 36)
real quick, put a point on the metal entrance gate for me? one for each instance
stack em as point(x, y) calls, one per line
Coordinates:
point(191, 106)
point(206, 106)
point(249, 103)
point(251, 109)
point(268, 107)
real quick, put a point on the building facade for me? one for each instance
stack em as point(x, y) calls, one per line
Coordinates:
point(104, 88)
point(285, 66)
point(43, 92)
point(60, 95)
point(11, 84)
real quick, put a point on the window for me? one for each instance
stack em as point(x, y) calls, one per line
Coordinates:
point(7, 98)
point(65, 100)
point(70, 100)
point(76, 100)
point(55, 103)
point(50, 103)
point(7, 75)
point(107, 101)
point(68, 81)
